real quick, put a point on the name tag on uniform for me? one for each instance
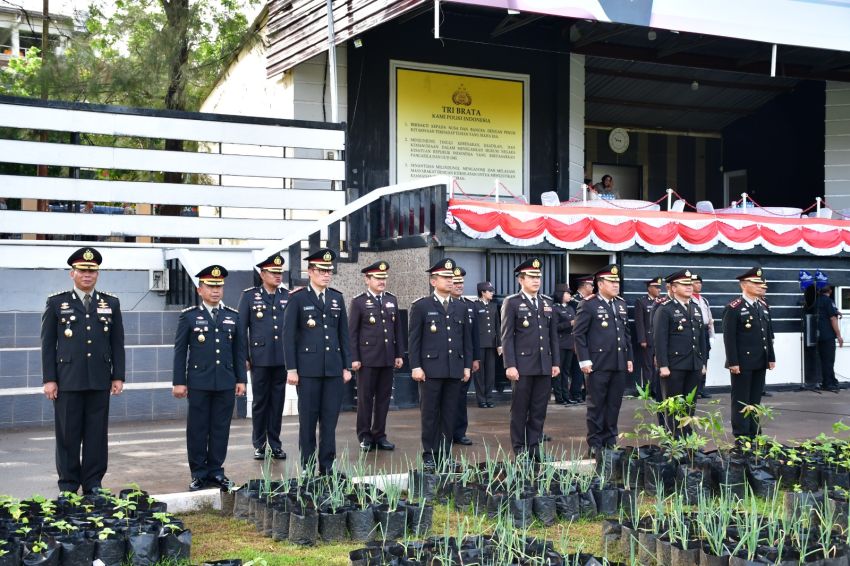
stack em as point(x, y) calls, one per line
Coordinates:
point(228, 321)
point(333, 308)
point(547, 309)
point(106, 310)
point(66, 311)
point(309, 308)
point(389, 305)
point(433, 314)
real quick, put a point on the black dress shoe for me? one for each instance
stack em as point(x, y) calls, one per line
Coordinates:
point(482, 405)
point(767, 394)
point(366, 445)
point(385, 444)
point(465, 440)
point(279, 454)
point(197, 484)
point(259, 454)
point(429, 466)
point(705, 395)
point(834, 389)
point(490, 405)
point(220, 481)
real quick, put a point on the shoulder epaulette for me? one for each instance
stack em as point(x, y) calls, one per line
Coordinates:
point(591, 296)
point(390, 294)
point(619, 298)
point(187, 309)
point(108, 294)
point(763, 302)
point(512, 296)
point(546, 297)
point(736, 302)
point(248, 289)
point(298, 290)
point(56, 294)
point(358, 296)
point(334, 290)
point(231, 309)
point(421, 299)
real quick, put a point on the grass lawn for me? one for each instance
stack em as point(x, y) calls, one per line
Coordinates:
point(216, 538)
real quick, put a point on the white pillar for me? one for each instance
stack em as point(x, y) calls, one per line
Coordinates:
point(836, 185)
point(16, 37)
point(577, 105)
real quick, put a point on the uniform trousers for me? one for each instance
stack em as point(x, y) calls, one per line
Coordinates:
point(576, 378)
point(485, 377)
point(437, 405)
point(268, 388)
point(529, 399)
point(604, 397)
point(374, 391)
point(647, 365)
point(826, 356)
point(81, 420)
point(461, 418)
point(561, 384)
point(679, 382)
point(747, 388)
point(319, 402)
point(208, 431)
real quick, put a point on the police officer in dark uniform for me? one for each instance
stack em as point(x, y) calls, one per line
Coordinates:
point(679, 341)
point(489, 323)
point(532, 357)
point(210, 357)
point(440, 353)
point(374, 326)
point(603, 346)
point(82, 360)
point(565, 314)
point(643, 329)
point(457, 294)
point(261, 312)
point(318, 359)
point(748, 337)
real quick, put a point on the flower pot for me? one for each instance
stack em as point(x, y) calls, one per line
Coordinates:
point(49, 557)
point(495, 501)
point(691, 481)
point(280, 523)
point(646, 550)
point(544, 509)
point(111, 550)
point(706, 558)
point(567, 506)
point(463, 495)
point(628, 540)
point(76, 550)
point(143, 548)
point(742, 561)
point(587, 504)
point(365, 557)
point(833, 478)
point(241, 504)
point(658, 472)
point(390, 525)
point(687, 555)
point(304, 527)
point(419, 518)
point(361, 523)
point(268, 520)
point(760, 479)
point(332, 526)
point(228, 500)
point(522, 511)
point(607, 501)
point(662, 551)
point(175, 546)
point(809, 477)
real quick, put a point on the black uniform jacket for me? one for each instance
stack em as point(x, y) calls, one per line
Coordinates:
point(375, 330)
point(93, 355)
point(209, 355)
point(643, 319)
point(747, 335)
point(600, 338)
point(679, 336)
point(489, 321)
point(261, 314)
point(529, 336)
point(440, 341)
point(316, 336)
point(566, 314)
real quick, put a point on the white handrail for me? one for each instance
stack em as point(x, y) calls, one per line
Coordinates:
point(353, 207)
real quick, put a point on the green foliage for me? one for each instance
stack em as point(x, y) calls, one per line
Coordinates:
point(146, 53)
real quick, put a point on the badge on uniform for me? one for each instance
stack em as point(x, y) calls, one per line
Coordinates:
point(310, 322)
point(433, 328)
point(64, 306)
point(389, 305)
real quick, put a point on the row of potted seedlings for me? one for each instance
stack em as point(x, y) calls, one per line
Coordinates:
point(74, 530)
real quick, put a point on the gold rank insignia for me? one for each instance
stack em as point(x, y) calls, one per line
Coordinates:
point(88, 255)
point(687, 273)
point(758, 272)
point(535, 263)
point(448, 265)
point(327, 256)
point(614, 270)
point(457, 271)
point(278, 260)
point(383, 266)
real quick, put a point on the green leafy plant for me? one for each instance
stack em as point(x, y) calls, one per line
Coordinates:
point(104, 533)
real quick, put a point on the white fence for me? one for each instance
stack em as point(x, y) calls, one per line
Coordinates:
point(243, 171)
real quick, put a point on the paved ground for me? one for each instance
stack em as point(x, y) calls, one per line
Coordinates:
point(153, 454)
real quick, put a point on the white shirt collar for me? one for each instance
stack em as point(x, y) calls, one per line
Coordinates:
point(80, 293)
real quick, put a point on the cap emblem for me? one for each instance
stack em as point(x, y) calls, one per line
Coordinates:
point(278, 260)
point(383, 266)
point(448, 265)
point(327, 256)
point(88, 255)
point(215, 272)
point(614, 270)
point(535, 263)
point(758, 272)
point(687, 273)
point(457, 271)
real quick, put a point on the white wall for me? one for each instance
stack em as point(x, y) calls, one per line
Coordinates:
point(837, 146)
point(577, 90)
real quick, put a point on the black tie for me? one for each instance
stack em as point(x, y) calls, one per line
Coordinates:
point(87, 301)
point(445, 305)
point(322, 299)
point(379, 299)
point(534, 302)
point(215, 313)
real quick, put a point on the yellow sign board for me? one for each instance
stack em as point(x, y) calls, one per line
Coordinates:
point(471, 127)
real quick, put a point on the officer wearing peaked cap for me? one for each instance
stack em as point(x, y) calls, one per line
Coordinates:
point(261, 311)
point(440, 353)
point(209, 367)
point(462, 422)
point(82, 359)
point(489, 324)
point(643, 329)
point(318, 359)
point(748, 338)
point(532, 356)
point(374, 327)
point(679, 341)
point(603, 347)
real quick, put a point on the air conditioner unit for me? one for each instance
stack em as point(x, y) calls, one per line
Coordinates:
point(158, 280)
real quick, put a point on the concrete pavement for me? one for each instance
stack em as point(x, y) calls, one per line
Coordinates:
point(153, 454)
